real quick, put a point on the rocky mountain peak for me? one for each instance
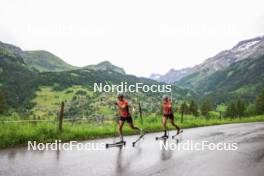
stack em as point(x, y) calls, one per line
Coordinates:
point(246, 49)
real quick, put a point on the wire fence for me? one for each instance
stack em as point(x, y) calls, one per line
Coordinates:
point(56, 122)
point(32, 121)
point(63, 119)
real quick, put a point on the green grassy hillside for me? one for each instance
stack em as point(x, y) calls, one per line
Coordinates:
point(106, 65)
point(16, 79)
point(45, 61)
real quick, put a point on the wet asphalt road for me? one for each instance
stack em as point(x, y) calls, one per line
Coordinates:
point(147, 159)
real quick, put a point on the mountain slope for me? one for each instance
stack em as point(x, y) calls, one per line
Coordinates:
point(242, 79)
point(246, 49)
point(87, 77)
point(15, 77)
point(155, 76)
point(106, 65)
point(45, 61)
point(174, 75)
point(76, 87)
point(42, 61)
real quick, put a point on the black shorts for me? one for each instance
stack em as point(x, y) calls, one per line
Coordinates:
point(170, 116)
point(128, 119)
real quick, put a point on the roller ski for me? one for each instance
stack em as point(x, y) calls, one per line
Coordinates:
point(178, 133)
point(116, 144)
point(164, 137)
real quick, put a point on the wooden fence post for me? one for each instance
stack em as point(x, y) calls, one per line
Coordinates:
point(182, 113)
point(140, 113)
point(61, 116)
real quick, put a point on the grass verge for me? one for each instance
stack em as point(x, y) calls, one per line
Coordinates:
point(19, 134)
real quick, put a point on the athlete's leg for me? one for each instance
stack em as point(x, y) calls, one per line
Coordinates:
point(120, 129)
point(176, 126)
point(133, 126)
point(164, 124)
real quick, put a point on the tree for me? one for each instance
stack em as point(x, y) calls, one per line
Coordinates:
point(250, 110)
point(3, 106)
point(260, 103)
point(205, 108)
point(183, 110)
point(231, 110)
point(221, 109)
point(193, 108)
point(240, 108)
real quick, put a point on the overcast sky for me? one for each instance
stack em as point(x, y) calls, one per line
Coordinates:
point(142, 36)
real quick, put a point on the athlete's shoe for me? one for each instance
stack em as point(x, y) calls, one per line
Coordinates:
point(179, 131)
point(121, 139)
point(164, 136)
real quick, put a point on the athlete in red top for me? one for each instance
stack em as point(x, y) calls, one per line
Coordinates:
point(124, 115)
point(167, 107)
point(123, 108)
point(168, 113)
